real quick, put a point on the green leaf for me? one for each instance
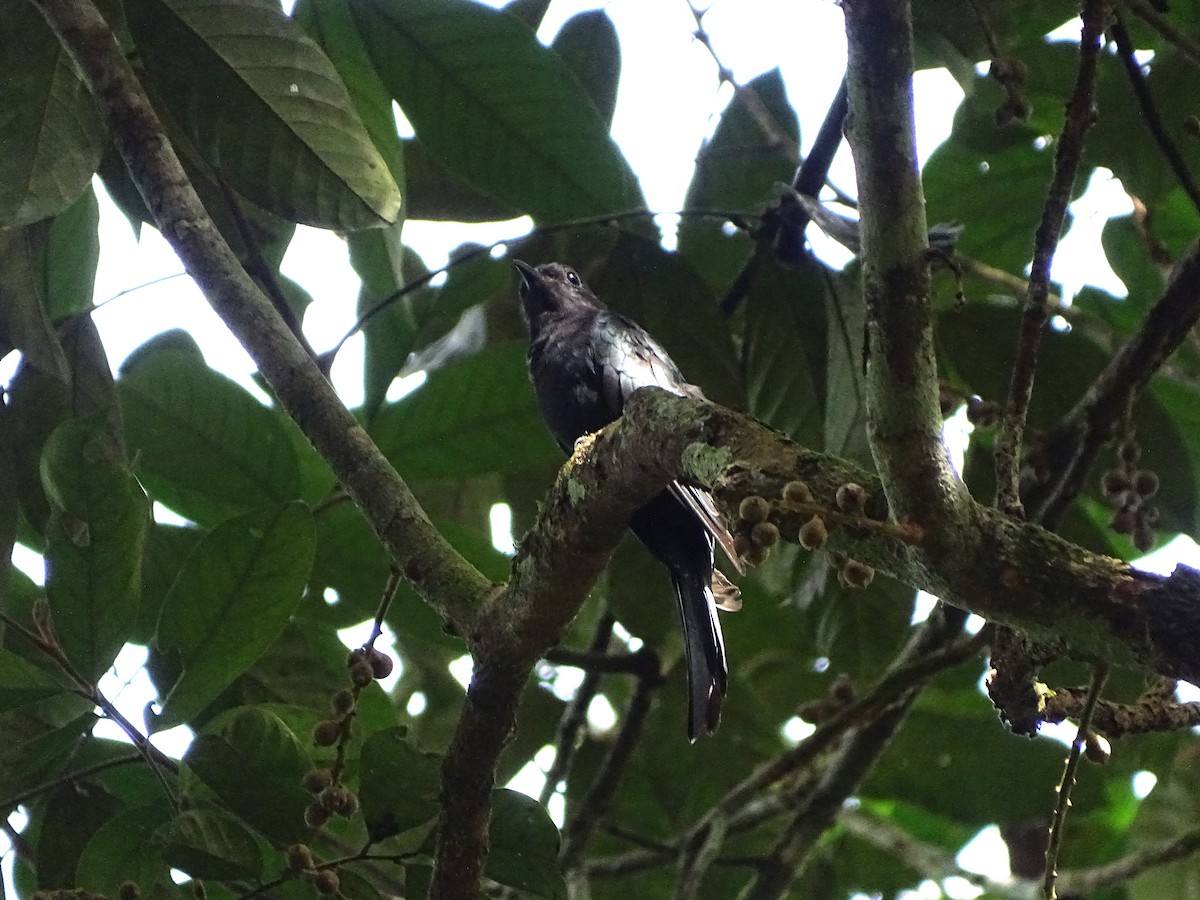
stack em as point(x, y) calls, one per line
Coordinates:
point(255, 765)
point(121, 850)
point(24, 321)
point(783, 351)
point(1164, 815)
point(205, 447)
point(588, 44)
point(22, 683)
point(73, 812)
point(982, 160)
point(473, 417)
point(266, 108)
point(210, 844)
point(331, 25)
point(524, 847)
point(231, 600)
point(34, 748)
point(71, 253)
point(861, 630)
point(94, 541)
point(734, 171)
point(496, 107)
point(438, 194)
point(398, 784)
point(167, 548)
point(50, 132)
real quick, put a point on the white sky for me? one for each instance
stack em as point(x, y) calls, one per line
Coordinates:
point(668, 103)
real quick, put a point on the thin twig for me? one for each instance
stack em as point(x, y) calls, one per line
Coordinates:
point(1150, 111)
point(579, 829)
point(1160, 23)
point(256, 267)
point(1079, 117)
point(1067, 785)
point(574, 717)
point(1088, 882)
point(1073, 444)
point(15, 800)
point(808, 181)
point(155, 758)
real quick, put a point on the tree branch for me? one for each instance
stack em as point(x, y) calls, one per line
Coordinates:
point(902, 383)
point(1072, 445)
point(1079, 117)
point(1150, 112)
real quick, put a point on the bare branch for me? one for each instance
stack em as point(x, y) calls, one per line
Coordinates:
point(1079, 118)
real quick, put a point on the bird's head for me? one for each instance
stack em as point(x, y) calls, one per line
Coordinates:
point(552, 288)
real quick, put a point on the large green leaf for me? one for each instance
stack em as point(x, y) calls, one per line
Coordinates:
point(205, 447)
point(331, 25)
point(210, 844)
point(734, 172)
point(94, 540)
point(254, 764)
point(231, 600)
point(50, 132)
point(475, 416)
point(496, 107)
point(982, 161)
point(783, 350)
point(524, 847)
point(22, 683)
point(588, 43)
point(121, 851)
point(266, 108)
point(398, 784)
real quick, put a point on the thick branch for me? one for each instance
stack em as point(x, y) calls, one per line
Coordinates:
point(902, 381)
point(434, 567)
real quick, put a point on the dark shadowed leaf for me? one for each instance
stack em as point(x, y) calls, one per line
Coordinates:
point(94, 539)
point(205, 447)
point(121, 850)
point(398, 784)
point(210, 844)
point(473, 417)
point(588, 44)
point(231, 600)
point(735, 170)
point(295, 145)
point(50, 132)
point(22, 683)
point(783, 352)
point(254, 764)
point(524, 847)
point(496, 107)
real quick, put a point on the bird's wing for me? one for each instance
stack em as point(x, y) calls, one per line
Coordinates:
point(631, 359)
point(628, 359)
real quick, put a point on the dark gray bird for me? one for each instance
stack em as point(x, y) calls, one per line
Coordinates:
point(585, 361)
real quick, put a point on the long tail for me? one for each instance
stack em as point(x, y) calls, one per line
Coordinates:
point(707, 670)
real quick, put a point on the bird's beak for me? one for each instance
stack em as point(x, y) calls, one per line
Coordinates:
point(528, 273)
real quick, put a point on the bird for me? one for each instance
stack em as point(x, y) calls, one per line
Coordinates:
point(585, 361)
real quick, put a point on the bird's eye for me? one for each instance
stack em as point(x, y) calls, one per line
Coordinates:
point(573, 278)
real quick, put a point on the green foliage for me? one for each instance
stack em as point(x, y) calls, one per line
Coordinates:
point(281, 121)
